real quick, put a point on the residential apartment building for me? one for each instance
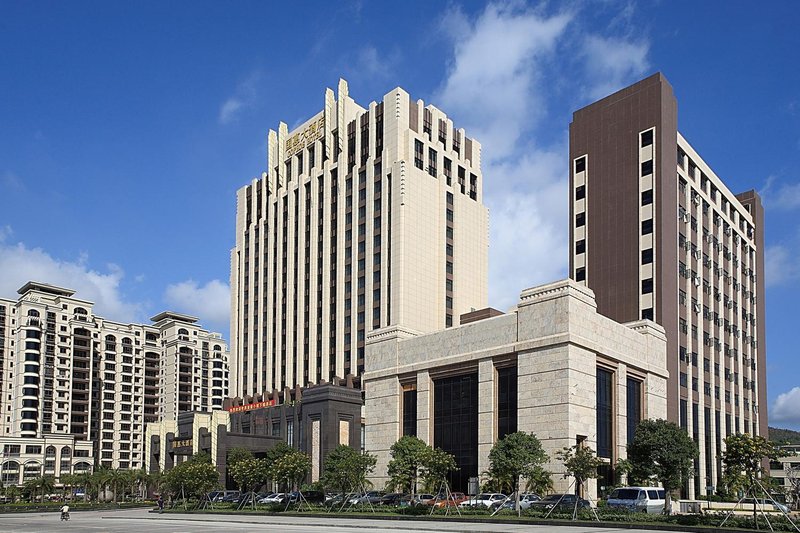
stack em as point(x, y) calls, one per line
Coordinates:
point(656, 234)
point(67, 371)
point(367, 216)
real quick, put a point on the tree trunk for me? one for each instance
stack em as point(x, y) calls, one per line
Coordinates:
point(667, 502)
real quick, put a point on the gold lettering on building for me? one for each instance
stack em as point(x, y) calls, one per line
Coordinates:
point(306, 136)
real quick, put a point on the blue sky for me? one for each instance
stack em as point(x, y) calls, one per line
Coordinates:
point(126, 128)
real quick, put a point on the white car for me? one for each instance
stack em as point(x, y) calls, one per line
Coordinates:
point(484, 499)
point(641, 499)
point(273, 498)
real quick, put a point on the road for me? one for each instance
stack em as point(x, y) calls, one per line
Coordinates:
point(141, 520)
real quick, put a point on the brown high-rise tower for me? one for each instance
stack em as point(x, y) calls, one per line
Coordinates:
point(656, 234)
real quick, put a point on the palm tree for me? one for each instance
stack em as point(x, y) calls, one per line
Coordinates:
point(140, 479)
point(68, 482)
point(46, 485)
point(86, 481)
point(101, 480)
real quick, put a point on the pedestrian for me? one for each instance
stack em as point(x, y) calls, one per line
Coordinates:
point(160, 504)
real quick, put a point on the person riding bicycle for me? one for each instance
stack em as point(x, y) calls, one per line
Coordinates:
point(65, 512)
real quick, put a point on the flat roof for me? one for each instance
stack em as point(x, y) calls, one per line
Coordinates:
point(166, 315)
point(45, 287)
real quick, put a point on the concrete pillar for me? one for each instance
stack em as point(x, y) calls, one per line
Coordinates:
point(425, 407)
point(487, 406)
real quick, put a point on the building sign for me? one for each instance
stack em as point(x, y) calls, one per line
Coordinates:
point(250, 406)
point(182, 443)
point(306, 136)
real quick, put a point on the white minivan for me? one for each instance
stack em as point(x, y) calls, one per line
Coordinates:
point(640, 499)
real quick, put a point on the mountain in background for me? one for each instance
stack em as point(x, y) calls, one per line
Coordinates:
point(781, 436)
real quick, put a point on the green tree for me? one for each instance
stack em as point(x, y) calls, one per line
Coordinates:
point(516, 454)
point(407, 454)
point(13, 492)
point(68, 483)
point(581, 463)
point(234, 456)
point(743, 462)
point(436, 464)
point(347, 469)
point(191, 479)
point(291, 468)
point(663, 451)
point(249, 474)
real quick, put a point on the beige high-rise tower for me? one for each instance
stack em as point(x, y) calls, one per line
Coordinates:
point(367, 216)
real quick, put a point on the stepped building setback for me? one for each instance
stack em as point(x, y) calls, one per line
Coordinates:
point(367, 217)
point(68, 373)
point(656, 234)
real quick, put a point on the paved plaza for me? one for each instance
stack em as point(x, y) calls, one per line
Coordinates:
point(141, 520)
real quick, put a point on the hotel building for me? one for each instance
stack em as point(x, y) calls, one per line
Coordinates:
point(656, 234)
point(68, 372)
point(553, 366)
point(367, 217)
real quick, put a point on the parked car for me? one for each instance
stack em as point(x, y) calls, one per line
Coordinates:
point(563, 501)
point(525, 501)
point(413, 500)
point(455, 499)
point(373, 497)
point(485, 499)
point(393, 498)
point(638, 499)
point(340, 499)
point(265, 497)
point(220, 495)
point(767, 505)
point(314, 496)
point(273, 498)
point(234, 496)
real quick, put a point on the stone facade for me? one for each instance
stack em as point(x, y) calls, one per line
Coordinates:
point(314, 420)
point(555, 338)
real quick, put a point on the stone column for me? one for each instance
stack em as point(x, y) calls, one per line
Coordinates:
point(487, 405)
point(425, 407)
point(382, 403)
point(621, 412)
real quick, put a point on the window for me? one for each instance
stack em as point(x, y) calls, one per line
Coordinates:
point(506, 401)
point(647, 168)
point(647, 256)
point(580, 192)
point(647, 138)
point(647, 197)
point(634, 401)
point(580, 246)
point(605, 407)
point(580, 274)
point(647, 314)
point(410, 411)
point(580, 220)
point(647, 226)
point(647, 286)
point(580, 164)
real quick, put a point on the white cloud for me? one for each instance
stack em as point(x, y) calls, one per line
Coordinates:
point(243, 97)
point(612, 61)
point(780, 265)
point(20, 264)
point(210, 302)
point(785, 197)
point(786, 409)
point(371, 64)
point(11, 181)
point(5, 233)
point(491, 81)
